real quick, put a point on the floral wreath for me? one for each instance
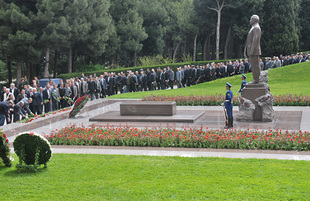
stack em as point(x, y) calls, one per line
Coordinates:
point(78, 105)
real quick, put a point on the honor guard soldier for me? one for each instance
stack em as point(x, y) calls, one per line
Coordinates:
point(244, 82)
point(229, 105)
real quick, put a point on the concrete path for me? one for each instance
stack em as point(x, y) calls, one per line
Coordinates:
point(184, 152)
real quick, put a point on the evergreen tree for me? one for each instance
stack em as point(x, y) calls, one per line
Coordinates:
point(304, 17)
point(279, 31)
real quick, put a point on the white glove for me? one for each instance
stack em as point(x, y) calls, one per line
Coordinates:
point(222, 104)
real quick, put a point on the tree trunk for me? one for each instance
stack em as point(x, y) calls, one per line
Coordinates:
point(218, 10)
point(195, 48)
point(227, 43)
point(135, 59)
point(113, 61)
point(19, 72)
point(218, 35)
point(176, 50)
point(29, 73)
point(206, 48)
point(70, 60)
point(55, 64)
point(8, 64)
point(47, 57)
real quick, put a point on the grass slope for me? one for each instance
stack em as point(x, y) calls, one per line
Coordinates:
point(293, 79)
point(106, 177)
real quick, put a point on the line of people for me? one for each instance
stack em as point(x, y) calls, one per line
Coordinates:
point(32, 99)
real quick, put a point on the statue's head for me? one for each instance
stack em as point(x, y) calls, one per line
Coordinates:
point(254, 19)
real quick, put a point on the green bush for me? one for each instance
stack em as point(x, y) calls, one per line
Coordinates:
point(5, 150)
point(32, 149)
point(173, 66)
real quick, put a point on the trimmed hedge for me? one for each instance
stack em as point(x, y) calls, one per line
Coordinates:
point(173, 66)
point(32, 149)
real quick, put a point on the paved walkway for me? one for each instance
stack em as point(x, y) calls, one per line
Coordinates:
point(297, 117)
point(184, 152)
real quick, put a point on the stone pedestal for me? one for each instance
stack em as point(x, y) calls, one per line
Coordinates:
point(148, 108)
point(252, 92)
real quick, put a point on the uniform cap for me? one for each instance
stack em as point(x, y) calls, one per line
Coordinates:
point(228, 84)
point(243, 75)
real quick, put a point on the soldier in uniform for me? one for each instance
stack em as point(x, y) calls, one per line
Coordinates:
point(244, 82)
point(229, 105)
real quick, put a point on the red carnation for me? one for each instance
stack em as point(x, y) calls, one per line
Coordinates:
point(7, 140)
point(4, 135)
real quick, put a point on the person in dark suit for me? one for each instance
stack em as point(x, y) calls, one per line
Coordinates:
point(62, 95)
point(18, 111)
point(47, 98)
point(21, 95)
point(27, 102)
point(143, 80)
point(4, 111)
point(92, 89)
point(163, 79)
point(35, 103)
point(230, 69)
point(149, 82)
point(132, 81)
point(103, 83)
point(158, 77)
point(119, 81)
point(207, 73)
point(171, 79)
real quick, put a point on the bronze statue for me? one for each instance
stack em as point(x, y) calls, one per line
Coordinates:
point(253, 47)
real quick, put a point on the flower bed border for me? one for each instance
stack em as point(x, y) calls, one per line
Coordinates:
point(216, 100)
point(187, 138)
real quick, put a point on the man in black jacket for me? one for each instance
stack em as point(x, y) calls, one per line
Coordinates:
point(47, 98)
point(62, 95)
point(92, 89)
point(37, 101)
point(4, 111)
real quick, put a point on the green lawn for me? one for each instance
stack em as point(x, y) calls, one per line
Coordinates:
point(293, 79)
point(107, 177)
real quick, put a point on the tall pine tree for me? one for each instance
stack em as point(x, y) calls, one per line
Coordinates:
point(279, 30)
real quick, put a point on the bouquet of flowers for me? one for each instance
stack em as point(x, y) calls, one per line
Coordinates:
point(78, 105)
point(46, 101)
point(68, 99)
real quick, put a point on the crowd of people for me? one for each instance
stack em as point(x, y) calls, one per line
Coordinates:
point(19, 102)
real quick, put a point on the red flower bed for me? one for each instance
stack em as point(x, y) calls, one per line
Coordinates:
point(194, 138)
point(216, 100)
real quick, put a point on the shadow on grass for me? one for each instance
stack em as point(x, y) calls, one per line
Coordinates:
point(14, 173)
point(3, 167)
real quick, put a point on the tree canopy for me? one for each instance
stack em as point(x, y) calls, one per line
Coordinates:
point(73, 33)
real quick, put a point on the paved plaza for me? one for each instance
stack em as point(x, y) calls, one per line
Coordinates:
point(286, 118)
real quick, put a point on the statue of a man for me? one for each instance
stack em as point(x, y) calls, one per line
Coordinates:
point(253, 47)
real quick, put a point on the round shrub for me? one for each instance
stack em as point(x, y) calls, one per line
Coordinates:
point(5, 150)
point(28, 145)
